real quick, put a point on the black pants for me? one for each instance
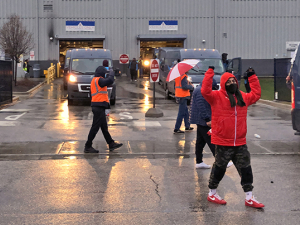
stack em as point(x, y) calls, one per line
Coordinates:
point(99, 121)
point(202, 139)
point(240, 157)
point(133, 74)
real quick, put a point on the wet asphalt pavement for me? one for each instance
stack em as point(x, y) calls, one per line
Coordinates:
point(151, 179)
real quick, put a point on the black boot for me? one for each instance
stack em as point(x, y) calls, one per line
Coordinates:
point(90, 150)
point(114, 145)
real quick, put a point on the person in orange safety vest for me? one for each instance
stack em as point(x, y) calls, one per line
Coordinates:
point(99, 103)
point(182, 92)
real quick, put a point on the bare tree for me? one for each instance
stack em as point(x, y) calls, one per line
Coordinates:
point(15, 40)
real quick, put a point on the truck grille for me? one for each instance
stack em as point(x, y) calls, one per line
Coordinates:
point(84, 87)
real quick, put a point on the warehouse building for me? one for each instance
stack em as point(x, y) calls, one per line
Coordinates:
point(255, 30)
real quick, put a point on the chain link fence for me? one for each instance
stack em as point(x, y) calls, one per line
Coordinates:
point(281, 70)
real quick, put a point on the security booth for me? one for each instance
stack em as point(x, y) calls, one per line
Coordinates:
point(149, 45)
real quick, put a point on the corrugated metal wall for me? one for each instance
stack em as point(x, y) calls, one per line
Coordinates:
point(252, 29)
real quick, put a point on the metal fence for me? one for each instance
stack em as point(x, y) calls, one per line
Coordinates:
point(281, 70)
point(51, 73)
point(5, 82)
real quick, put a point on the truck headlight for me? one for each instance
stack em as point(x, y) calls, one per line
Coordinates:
point(146, 63)
point(72, 78)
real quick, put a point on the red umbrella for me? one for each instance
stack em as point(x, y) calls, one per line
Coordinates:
point(181, 68)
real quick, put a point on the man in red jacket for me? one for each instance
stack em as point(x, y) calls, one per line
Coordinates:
point(229, 127)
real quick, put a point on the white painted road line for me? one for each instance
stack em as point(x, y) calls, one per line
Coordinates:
point(14, 117)
point(8, 123)
point(125, 115)
point(257, 144)
point(14, 110)
point(146, 124)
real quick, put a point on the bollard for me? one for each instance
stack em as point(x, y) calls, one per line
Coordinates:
point(58, 69)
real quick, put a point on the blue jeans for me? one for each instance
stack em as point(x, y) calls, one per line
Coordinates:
point(183, 113)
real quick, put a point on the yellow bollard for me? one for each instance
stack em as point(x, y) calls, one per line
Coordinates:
point(58, 68)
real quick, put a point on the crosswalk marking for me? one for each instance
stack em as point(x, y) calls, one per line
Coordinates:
point(8, 123)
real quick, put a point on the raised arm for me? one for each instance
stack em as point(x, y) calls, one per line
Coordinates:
point(206, 89)
point(255, 92)
point(107, 81)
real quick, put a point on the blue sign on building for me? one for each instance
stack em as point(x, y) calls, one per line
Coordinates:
point(163, 25)
point(80, 25)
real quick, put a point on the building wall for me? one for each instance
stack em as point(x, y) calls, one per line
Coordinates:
point(251, 29)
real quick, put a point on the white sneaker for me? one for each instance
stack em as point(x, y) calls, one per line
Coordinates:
point(229, 164)
point(202, 166)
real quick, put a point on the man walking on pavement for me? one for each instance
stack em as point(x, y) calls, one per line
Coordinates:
point(229, 127)
point(201, 115)
point(99, 103)
point(133, 66)
point(182, 92)
point(140, 66)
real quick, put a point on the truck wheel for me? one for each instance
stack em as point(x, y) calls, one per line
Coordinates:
point(70, 101)
point(167, 93)
point(113, 101)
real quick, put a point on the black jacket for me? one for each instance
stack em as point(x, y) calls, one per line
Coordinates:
point(101, 72)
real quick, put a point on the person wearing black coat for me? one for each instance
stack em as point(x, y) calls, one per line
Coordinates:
point(201, 115)
point(99, 119)
point(133, 66)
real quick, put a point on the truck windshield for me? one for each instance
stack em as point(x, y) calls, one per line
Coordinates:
point(87, 66)
point(203, 65)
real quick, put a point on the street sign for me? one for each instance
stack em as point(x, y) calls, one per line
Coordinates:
point(31, 55)
point(124, 59)
point(154, 70)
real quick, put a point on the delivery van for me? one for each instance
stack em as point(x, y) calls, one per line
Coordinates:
point(295, 95)
point(82, 66)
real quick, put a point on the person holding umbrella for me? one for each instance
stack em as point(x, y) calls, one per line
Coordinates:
point(182, 93)
point(229, 127)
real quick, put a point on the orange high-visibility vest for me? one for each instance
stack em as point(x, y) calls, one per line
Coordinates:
point(98, 93)
point(179, 92)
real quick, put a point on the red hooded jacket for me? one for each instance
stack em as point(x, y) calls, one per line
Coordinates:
point(229, 124)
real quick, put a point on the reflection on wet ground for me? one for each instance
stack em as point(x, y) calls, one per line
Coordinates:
point(48, 112)
point(130, 149)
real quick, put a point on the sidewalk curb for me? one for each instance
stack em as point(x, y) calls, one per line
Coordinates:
point(29, 91)
point(15, 98)
point(275, 104)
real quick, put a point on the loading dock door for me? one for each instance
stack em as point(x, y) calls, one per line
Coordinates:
point(64, 45)
point(149, 50)
point(150, 44)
